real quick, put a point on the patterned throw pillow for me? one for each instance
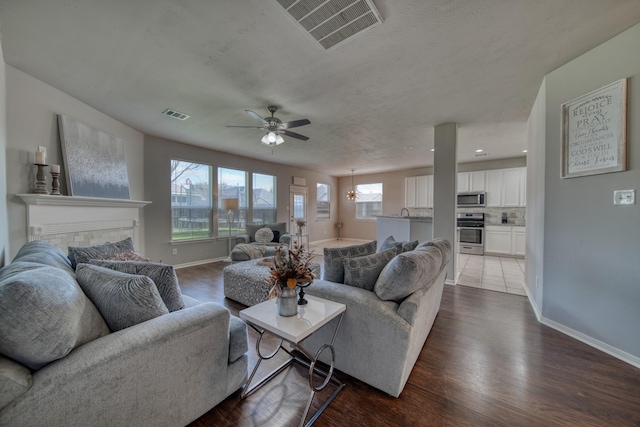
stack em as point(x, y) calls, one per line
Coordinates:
point(389, 243)
point(334, 259)
point(363, 272)
point(264, 235)
point(107, 250)
point(409, 246)
point(129, 256)
point(163, 275)
point(123, 299)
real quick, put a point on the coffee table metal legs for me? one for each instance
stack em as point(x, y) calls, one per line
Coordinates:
point(310, 363)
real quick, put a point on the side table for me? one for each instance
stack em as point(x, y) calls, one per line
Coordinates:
point(315, 314)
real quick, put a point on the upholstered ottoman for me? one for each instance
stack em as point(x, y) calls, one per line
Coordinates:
point(245, 282)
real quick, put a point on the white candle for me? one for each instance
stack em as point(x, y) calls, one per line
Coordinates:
point(40, 158)
point(55, 168)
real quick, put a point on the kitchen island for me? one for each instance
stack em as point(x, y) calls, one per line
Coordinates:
point(407, 228)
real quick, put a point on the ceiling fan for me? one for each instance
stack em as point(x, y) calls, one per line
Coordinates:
point(274, 128)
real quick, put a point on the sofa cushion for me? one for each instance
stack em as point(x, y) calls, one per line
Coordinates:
point(334, 259)
point(237, 338)
point(44, 253)
point(107, 250)
point(363, 272)
point(44, 314)
point(15, 380)
point(389, 243)
point(163, 275)
point(443, 244)
point(123, 299)
point(252, 228)
point(407, 273)
point(264, 235)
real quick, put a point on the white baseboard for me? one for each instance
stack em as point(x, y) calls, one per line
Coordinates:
point(597, 344)
point(194, 263)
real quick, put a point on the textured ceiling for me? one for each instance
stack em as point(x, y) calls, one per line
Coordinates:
point(479, 63)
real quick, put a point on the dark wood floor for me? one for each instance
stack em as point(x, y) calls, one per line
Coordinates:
point(486, 362)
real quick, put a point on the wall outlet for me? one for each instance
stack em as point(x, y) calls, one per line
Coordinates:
point(624, 197)
point(174, 252)
point(537, 281)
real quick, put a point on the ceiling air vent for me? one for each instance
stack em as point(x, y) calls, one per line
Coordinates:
point(175, 114)
point(332, 22)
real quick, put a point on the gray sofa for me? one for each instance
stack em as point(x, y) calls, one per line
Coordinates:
point(61, 365)
point(379, 340)
point(249, 237)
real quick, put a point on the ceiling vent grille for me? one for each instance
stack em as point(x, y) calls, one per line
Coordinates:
point(333, 22)
point(175, 114)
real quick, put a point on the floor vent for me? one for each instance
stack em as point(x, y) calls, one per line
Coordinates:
point(333, 22)
point(175, 114)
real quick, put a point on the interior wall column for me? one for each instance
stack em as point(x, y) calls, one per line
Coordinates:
point(445, 172)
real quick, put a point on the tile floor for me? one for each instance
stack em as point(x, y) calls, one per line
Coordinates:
point(493, 273)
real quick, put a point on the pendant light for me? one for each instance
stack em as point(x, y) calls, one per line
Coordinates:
point(351, 194)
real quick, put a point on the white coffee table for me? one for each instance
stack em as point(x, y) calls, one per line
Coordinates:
point(315, 314)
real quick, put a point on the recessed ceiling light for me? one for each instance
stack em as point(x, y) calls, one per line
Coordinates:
point(408, 147)
point(433, 149)
point(479, 150)
point(524, 151)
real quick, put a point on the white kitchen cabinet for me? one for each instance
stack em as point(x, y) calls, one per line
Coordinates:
point(518, 240)
point(504, 240)
point(497, 240)
point(418, 191)
point(463, 182)
point(506, 187)
point(477, 181)
point(494, 188)
point(511, 187)
point(523, 186)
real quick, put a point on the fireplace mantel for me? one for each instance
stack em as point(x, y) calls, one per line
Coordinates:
point(81, 221)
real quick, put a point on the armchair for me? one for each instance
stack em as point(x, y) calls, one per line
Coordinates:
point(280, 237)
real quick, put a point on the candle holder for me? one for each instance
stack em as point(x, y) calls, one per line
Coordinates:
point(55, 184)
point(41, 184)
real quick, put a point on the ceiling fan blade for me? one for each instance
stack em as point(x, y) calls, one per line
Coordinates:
point(295, 124)
point(293, 135)
point(246, 127)
point(257, 117)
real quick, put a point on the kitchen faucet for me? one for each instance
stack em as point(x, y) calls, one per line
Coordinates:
point(404, 209)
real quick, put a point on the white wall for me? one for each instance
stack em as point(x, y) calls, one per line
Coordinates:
point(591, 247)
point(4, 228)
point(32, 108)
point(535, 200)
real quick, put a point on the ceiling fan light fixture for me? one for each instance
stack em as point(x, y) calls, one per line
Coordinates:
point(271, 137)
point(279, 140)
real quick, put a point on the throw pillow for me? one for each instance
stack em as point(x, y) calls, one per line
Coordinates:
point(129, 256)
point(163, 275)
point(407, 273)
point(123, 299)
point(44, 314)
point(363, 272)
point(389, 243)
point(409, 246)
point(276, 236)
point(107, 250)
point(264, 235)
point(334, 259)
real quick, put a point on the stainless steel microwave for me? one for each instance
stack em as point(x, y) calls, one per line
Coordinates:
point(474, 199)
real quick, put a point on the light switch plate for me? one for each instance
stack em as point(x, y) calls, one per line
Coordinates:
point(624, 197)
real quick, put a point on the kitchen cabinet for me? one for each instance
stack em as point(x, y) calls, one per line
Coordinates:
point(497, 240)
point(518, 241)
point(471, 181)
point(506, 187)
point(504, 240)
point(418, 191)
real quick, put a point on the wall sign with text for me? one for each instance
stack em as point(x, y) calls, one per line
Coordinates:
point(594, 137)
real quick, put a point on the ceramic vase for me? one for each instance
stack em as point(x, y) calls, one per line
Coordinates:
point(288, 302)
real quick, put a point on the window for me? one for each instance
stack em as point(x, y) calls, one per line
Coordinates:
point(368, 200)
point(191, 209)
point(323, 198)
point(232, 192)
point(263, 198)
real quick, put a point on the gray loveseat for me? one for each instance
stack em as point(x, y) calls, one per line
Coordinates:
point(62, 366)
point(379, 340)
point(280, 236)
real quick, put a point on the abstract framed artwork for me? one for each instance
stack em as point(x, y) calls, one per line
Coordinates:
point(94, 161)
point(594, 132)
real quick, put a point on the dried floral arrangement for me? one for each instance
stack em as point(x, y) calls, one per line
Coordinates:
point(300, 222)
point(290, 267)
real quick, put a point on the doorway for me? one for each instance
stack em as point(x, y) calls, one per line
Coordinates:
point(297, 207)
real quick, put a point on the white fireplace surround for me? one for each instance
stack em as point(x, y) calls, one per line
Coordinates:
point(67, 221)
